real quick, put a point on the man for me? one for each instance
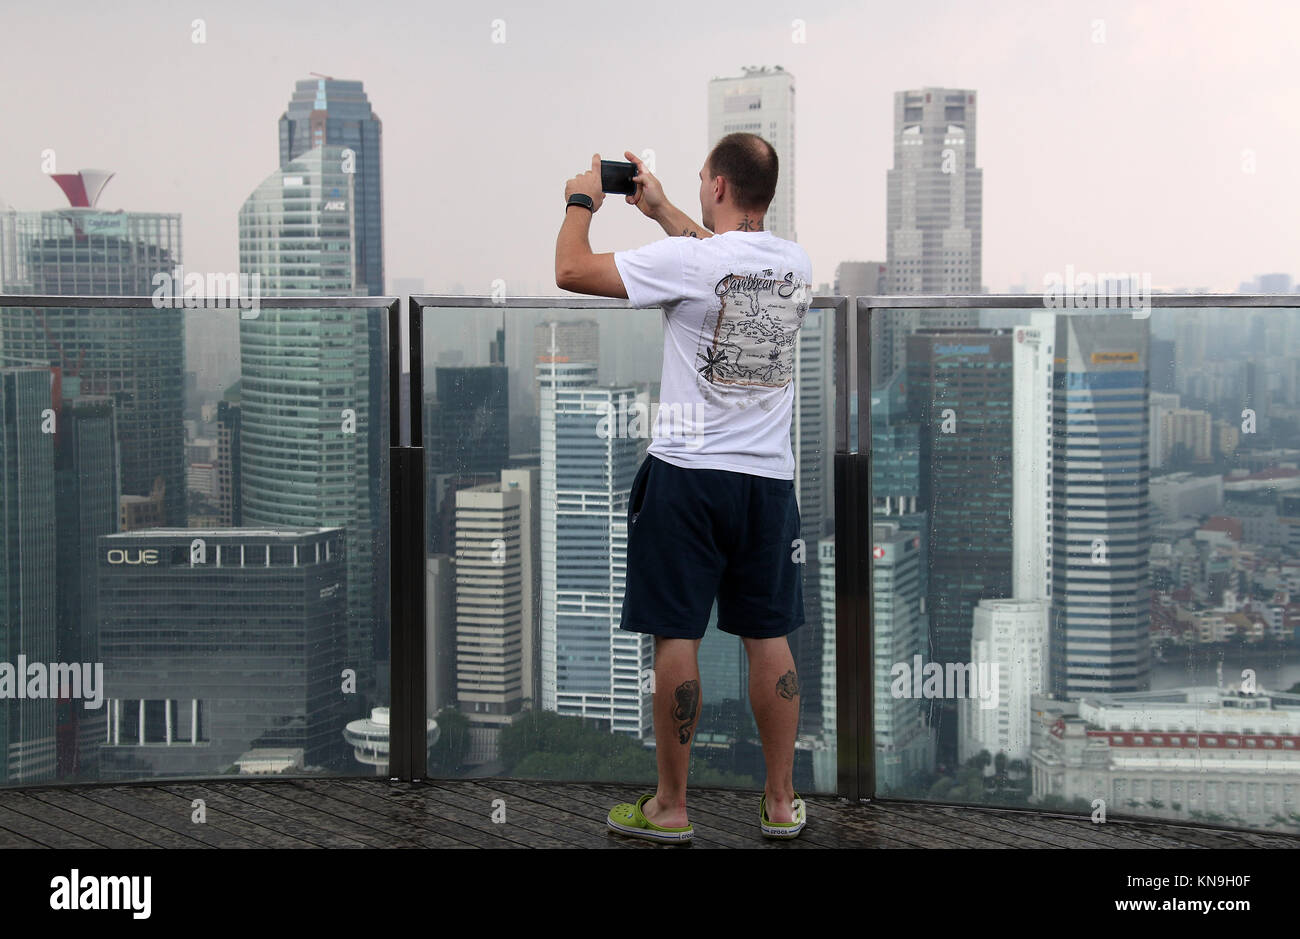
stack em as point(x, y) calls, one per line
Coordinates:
point(712, 510)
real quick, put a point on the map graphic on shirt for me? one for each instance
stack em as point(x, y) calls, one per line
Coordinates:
point(754, 330)
point(733, 305)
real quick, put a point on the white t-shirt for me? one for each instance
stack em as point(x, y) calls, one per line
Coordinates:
point(733, 305)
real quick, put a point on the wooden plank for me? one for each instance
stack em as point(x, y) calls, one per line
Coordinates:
point(341, 833)
point(1025, 824)
point(374, 799)
point(552, 800)
point(394, 832)
point(473, 824)
point(253, 821)
point(167, 799)
point(79, 802)
point(45, 835)
point(952, 831)
point(95, 831)
point(175, 816)
point(562, 831)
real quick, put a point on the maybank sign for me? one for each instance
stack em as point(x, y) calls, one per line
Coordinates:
point(1112, 358)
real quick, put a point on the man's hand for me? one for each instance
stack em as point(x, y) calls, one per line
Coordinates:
point(587, 183)
point(649, 196)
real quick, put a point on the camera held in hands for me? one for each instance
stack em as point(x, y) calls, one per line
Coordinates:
point(616, 177)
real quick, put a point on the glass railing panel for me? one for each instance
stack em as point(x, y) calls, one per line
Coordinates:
point(536, 416)
point(195, 571)
point(1086, 538)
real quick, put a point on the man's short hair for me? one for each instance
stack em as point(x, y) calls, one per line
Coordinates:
point(749, 165)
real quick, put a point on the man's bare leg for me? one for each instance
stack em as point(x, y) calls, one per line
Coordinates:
point(676, 711)
point(774, 697)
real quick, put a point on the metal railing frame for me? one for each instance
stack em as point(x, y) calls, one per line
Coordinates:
point(855, 777)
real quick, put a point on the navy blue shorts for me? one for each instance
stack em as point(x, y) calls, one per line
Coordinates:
point(697, 534)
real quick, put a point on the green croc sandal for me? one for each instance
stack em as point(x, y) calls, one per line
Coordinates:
point(628, 819)
point(783, 829)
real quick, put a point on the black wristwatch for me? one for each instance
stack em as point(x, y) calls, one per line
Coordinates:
point(584, 200)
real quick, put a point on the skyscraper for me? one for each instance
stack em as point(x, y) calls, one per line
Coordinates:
point(327, 112)
point(1008, 640)
point(934, 215)
point(230, 499)
point(903, 743)
point(590, 666)
point(935, 198)
point(330, 112)
point(1100, 637)
point(136, 357)
point(811, 443)
point(959, 391)
point(305, 381)
point(494, 612)
point(960, 394)
point(761, 101)
point(217, 641)
point(86, 503)
point(28, 617)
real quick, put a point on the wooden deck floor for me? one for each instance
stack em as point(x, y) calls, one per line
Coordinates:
point(373, 813)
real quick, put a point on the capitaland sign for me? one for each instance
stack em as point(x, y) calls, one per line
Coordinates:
point(133, 557)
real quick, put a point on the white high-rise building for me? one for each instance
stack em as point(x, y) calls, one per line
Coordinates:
point(1031, 451)
point(904, 744)
point(761, 101)
point(493, 609)
point(1100, 506)
point(935, 215)
point(811, 440)
point(590, 667)
point(1009, 644)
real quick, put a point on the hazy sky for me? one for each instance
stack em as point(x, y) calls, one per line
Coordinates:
point(1122, 155)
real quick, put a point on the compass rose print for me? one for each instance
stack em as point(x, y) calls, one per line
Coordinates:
point(712, 359)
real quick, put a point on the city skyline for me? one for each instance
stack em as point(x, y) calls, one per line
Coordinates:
point(1100, 162)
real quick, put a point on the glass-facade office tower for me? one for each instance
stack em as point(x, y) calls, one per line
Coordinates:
point(218, 641)
point(959, 391)
point(591, 667)
point(903, 742)
point(1101, 529)
point(86, 502)
point(230, 500)
point(934, 216)
point(760, 101)
point(305, 407)
point(330, 112)
point(960, 394)
point(136, 357)
point(811, 443)
point(28, 618)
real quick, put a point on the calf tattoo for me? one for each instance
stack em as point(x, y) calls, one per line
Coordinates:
point(787, 686)
point(687, 697)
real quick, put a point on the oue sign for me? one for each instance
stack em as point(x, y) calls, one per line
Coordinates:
point(138, 556)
